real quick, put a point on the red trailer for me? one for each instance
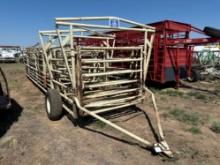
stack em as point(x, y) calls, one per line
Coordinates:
point(172, 55)
point(171, 58)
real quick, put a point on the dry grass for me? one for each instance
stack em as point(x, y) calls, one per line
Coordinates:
point(192, 118)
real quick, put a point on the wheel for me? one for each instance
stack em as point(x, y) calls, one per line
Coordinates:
point(195, 76)
point(1, 90)
point(4, 103)
point(53, 105)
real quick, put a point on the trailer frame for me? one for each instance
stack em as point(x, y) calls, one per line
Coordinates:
point(87, 75)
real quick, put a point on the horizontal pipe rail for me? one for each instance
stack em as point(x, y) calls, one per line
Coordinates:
point(110, 102)
point(104, 18)
point(111, 48)
point(110, 93)
point(117, 107)
point(80, 25)
point(111, 73)
point(110, 83)
point(87, 61)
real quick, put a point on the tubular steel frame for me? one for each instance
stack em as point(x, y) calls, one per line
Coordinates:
point(173, 48)
point(81, 61)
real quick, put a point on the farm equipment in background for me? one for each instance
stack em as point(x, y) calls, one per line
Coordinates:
point(172, 52)
point(207, 59)
point(5, 101)
point(83, 70)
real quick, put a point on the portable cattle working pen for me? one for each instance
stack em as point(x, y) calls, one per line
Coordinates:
point(82, 71)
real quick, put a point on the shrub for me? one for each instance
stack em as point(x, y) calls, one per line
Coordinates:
point(215, 127)
point(194, 130)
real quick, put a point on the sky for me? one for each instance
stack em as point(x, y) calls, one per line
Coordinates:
point(20, 20)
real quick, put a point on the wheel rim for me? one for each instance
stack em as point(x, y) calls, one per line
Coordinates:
point(48, 106)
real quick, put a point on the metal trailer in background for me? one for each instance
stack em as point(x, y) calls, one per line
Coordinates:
point(173, 51)
point(83, 71)
point(171, 58)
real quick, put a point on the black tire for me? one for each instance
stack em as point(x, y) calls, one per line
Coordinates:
point(53, 105)
point(195, 76)
point(212, 32)
point(4, 103)
point(1, 90)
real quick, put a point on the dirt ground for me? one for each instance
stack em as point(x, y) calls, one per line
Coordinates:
point(187, 115)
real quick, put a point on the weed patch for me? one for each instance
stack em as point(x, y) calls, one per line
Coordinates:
point(191, 118)
point(198, 95)
point(194, 130)
point(100, 124)
point(215, 127)
point(172, 93)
